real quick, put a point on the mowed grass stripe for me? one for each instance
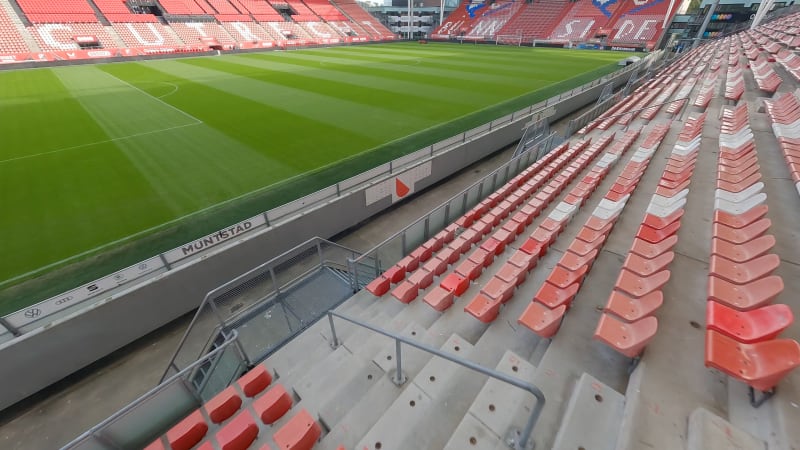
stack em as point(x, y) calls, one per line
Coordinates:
point(452, 88)
point(418, 72)
point(272, 131)
point(249, 154)
point(346, 74)
point(43, 117)
point(516, 67)
point(339, 102)
point(425, 67)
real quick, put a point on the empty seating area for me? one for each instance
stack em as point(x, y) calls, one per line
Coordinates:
point(117, 11)
point(634, 273)
point(67, 11)
point(252, 410)
point(154, 34)
point(187, 7)
point(742, 326)
point(325, 10)
point(582, 21)
point(194, 33)
point(302, 12)
point(784, 112)
point(637, 29)
point(365, 20)
point(10, 38)
point(536, 20)
point(260, 10)
point(55, 37)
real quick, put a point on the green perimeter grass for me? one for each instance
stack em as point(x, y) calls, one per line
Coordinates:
point(102, 166)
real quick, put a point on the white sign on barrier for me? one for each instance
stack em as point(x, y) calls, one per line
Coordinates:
point(87, 291)
point(213, 239)
point(398, 186)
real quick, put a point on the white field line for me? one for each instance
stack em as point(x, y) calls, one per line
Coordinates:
point(157, 99)
point(90, 144)
point(174, 90)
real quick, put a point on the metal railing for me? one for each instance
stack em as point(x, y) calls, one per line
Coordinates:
point(396, 246)
point(246, 298)
point(141, 421)
point(400, 379)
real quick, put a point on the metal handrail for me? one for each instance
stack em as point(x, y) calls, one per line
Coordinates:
point(92, 432)
point(400, 379)
point(250, 274)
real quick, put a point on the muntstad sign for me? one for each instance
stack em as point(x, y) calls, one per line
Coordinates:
point(213, 239)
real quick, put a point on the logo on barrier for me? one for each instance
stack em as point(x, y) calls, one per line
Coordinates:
point(64, 300)
point(399, 186)
point(33, 313)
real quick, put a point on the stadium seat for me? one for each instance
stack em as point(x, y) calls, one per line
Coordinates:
point(630, 339)
point(745, 296)
point(299, 433)
point(541, 319)
point(223, 405)
point(239, 433)
point(761, 365)
point(756, 325)
point(631, 309)
point(273, 404)
point(255, 381)
point(188, 432)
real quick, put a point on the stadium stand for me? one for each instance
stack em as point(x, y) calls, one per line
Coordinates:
point(65, 36)
point(535, 20)
point(154, 34)
point(11, 40)
point(644, 265)
point(371, 26)
point(194, 33)
point(582, 21)
point(117, 11)
point(325, 10)
point(488, 257)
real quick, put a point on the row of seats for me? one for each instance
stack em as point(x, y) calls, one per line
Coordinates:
point(790, 61)
point(480, 219)
point(741, 325)
point(706, 91)
point(682, 95)
point(734, 83)
point(627, 324)
point(485, 306)
point(233, 417)
point(659, 100)
point(548, 306)
point(784, 113)
point(765, 76)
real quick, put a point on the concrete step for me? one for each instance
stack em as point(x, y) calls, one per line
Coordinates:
point(499, 412)
point(708, 431)
point(593, 417)
point(355, 423)
point(426, 413)
point(332, 387)
point(302, 352)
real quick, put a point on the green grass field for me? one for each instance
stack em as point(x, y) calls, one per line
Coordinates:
point(105, 165)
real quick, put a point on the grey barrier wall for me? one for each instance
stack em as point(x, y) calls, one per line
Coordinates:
point(44, 355)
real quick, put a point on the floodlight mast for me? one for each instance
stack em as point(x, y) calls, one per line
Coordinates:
point(410, 12)
point(441, 12)
point(705, 23)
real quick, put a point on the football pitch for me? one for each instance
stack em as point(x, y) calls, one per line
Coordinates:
point(105, 165)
